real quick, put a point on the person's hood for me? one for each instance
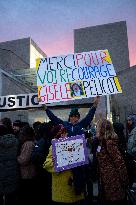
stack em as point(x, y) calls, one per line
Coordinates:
point(8, 140)
point(133, 118)
point(118, 127)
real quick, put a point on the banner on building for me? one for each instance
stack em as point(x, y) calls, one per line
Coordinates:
point(69, 152)
point(20, 101)
point(76, 76)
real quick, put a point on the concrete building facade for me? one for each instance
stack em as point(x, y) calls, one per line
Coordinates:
point(123, 105)
point(17, 57)
point(113, 37)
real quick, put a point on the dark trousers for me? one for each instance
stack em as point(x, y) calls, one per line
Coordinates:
point(43, 188)
point(8, 199)
point(27, 194)
point(82, 202)
point(120, 202)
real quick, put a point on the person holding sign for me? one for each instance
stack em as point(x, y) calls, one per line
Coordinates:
point(74, 127)
point(62, 190)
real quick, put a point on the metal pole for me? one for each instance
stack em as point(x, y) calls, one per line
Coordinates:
point(108, 108)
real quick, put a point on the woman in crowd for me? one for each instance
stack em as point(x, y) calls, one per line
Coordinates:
point(63, 191)
point(113, 175)
point(27, 169)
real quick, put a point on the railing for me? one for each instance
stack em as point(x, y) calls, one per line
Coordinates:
point(25, 77)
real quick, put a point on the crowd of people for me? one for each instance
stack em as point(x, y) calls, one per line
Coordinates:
point(27, 174)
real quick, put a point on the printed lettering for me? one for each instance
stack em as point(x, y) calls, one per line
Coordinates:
point(62, 73)
point(79, 57)
point(20, 100)
point(3, 103)
point(34, 100)
point(103, 56)
point(86, 59)
point(59, 63)
point(94, 58)
point(56, 92)
point(11, 101)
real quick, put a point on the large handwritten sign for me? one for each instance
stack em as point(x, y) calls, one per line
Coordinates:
point(69, 152)
point(80, 75)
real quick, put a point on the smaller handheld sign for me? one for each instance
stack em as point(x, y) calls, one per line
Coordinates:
point(69, 152)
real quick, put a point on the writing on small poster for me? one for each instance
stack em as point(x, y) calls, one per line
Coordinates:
point(69, 152)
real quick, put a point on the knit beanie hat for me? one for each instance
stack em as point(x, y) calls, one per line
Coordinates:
point(17, 123)
point(74, 112)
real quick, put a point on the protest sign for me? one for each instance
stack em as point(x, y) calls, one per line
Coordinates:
point(79, 75)
point(69, 152)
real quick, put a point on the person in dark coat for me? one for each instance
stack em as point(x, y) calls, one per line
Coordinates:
point(8, 167)
point(122, 142)
point(17, 125)
point(131, 148)
point(8, 123)
point(131, 126)
point(73, 125)
point(39, 154)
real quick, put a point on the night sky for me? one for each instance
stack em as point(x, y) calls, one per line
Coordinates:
point(50, 23)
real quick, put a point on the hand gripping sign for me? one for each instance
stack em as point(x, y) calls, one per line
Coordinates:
point(69, 152)
point(79, 75)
